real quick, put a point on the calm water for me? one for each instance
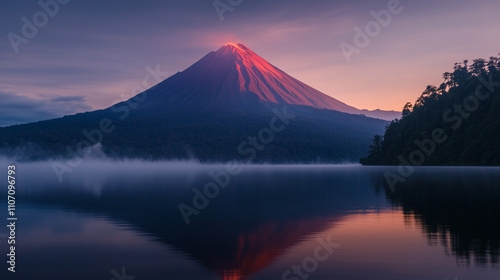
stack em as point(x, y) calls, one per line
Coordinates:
point(441, 223)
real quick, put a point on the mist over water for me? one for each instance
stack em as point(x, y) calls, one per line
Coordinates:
point(262, 221)
point(95, 167)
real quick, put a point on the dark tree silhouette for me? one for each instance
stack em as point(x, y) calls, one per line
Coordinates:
point(407, 109)
point(471, 124)
point(376, 145)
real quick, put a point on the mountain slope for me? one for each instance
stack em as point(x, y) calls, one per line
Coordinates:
point(237, 78)
point(312, 136)
point(230, 105)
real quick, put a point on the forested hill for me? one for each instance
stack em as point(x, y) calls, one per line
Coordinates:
point(456, 123)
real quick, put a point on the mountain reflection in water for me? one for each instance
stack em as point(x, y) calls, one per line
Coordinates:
point(267, 213)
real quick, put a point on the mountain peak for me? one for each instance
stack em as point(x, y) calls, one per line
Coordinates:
point(233, 48)
point(235, 77)
point(231, 44)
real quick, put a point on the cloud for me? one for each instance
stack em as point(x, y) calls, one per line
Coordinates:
point(16, 109)
point(80, 99)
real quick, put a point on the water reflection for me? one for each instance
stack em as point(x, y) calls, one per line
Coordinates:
point(266, 212)
point(458, 208)
point(248, 226)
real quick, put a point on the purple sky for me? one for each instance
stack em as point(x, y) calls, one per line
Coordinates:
point(91, 53)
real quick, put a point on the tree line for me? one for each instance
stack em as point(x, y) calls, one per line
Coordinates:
point(465, 106)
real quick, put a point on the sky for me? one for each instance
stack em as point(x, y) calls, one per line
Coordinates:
point(87, 55)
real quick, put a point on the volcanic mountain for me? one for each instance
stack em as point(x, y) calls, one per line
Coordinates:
point(230, 105)
point(234, 77)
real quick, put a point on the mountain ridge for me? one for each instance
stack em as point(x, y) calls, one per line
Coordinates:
point(236, 77)
point(220, 109)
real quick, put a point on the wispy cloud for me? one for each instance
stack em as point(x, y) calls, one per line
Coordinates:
point(80, 99)
point(16, 109)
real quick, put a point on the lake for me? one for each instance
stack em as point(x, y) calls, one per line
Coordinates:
point(161, 220)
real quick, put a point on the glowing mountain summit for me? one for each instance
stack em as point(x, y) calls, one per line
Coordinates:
point(234, 77)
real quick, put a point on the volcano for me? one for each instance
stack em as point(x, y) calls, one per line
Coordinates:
point(234, 77)
point(230, 105)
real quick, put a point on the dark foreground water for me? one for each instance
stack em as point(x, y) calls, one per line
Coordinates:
point(122, 221)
